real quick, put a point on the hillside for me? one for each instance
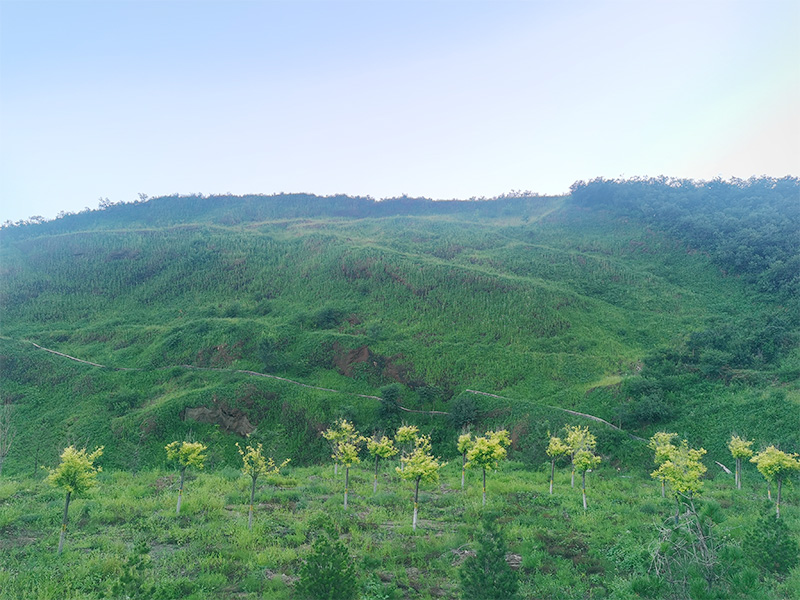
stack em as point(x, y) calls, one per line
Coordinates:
point(651, 304)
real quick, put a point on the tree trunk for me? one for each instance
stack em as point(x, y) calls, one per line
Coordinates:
point(677, 511)
point(416, 498)
point(463, 468)
point(583, 488)
point(346, 483)
point(252, 497)
point(663, 488)
point(572, 483)
point(180, 492)
point(375, 481)
point(2, 458)
point(778, 505)
point(64, 524)
point(769, 491)
point(335, 468)
point(484, 487)
point(552, 474)
point(738, 473)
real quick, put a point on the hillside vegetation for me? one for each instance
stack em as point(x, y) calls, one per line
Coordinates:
point(654, 305)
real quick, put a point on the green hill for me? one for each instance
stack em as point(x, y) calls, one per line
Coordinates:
point(652, 304)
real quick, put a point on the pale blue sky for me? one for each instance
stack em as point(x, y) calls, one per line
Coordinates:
point(444, 99)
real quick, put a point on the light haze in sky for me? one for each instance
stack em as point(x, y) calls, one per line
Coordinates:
point(442, 99)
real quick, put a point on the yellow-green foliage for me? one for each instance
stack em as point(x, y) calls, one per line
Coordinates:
point(487, 451)
point(580, 438)
point(406, 434)
point(346, 442)
point(585, 460)
point(186, 454)
point(77, 472)
point(740, 448)
point(556, 447)
point(683, 470)
point(775, 464)
point(662, 446)
point(255, 464)
point(420, 464)
point(465, 442)
point(381, 448)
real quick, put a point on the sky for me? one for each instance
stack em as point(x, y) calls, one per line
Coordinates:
point(441, 99)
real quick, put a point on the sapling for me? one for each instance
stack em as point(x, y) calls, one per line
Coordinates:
point(255, 465)
point(347, 455)
point(578, 438)
point(739, 449)
point(380, 447)
point(342, 431)
point(465, 442)
point(585, 460)
point(186, 454)
point(683, 472)
point(406, 437)
point(662, 447)
point(775, 465)
point(75, 474)
point(418, 466)
point(487, 452)
point(556, 448)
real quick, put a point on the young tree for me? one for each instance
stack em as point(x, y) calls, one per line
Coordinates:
point(775, 465)
point(186, 454)
point(347, 455)
point(739, 449)
point(7, 433)
point(75, 474)
point(465, 443)
point(683, 472)
point(255, 465)
point(585, 460)
point(487, 452)
point(328, 573)
point(662, 447)
point(406, 437)
point(380, 447)
point(419, 466)
point(487, 575)
point(556, 448)
point(579, 438)
point(342, 431)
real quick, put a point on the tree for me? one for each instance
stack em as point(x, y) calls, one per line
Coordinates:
point(347, 454)
point(75, 474)
point(771, 545)
point(328, 573)
point(419, 466)
point(556, 448)
point(775, 465)
point(405, 438)
point(255, 465)
point(487, 575)
point(7, 433)
point(682, 471)
point(389, 407)
point(465, 442)
point(186, 454)
point(662, 447)
point(579, 438)
point(342, 431)
point(487, 452)
point(739, 449)
point(380, 447)
point(585, 460)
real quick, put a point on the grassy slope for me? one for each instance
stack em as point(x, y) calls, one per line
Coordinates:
point(544, 305)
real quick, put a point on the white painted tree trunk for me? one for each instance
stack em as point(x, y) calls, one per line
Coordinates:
point(180, 492)
point(64, 524)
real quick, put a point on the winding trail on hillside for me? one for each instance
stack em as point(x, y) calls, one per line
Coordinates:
point(314, 387)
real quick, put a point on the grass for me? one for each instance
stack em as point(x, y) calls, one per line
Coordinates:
point(208, 552)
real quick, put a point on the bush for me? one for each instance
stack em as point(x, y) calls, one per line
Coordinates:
point(487, 575)
point(328, 573)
